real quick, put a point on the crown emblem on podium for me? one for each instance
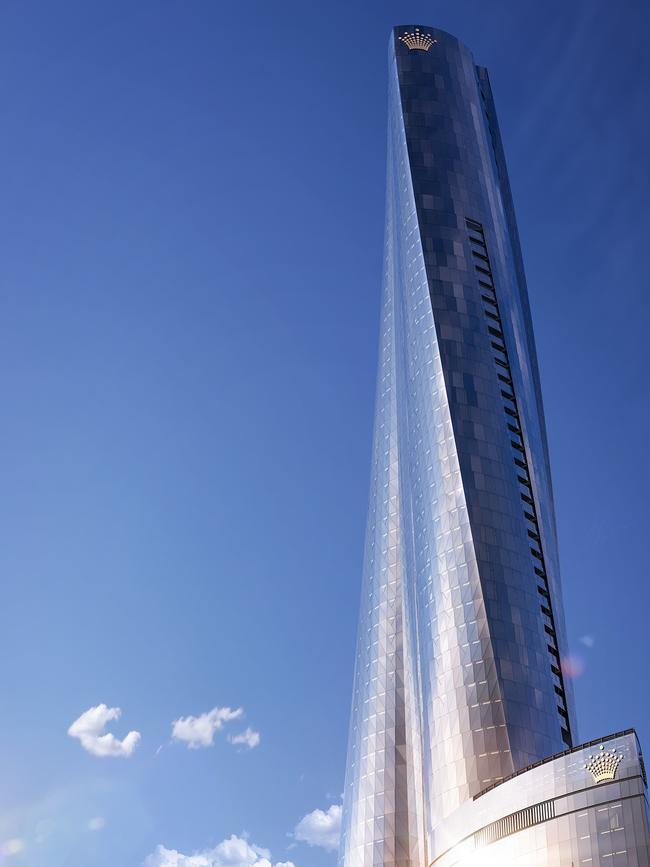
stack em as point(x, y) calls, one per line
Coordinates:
point(604, 765)
point(416, 40)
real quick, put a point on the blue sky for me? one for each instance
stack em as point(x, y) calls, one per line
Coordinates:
point(191, 224)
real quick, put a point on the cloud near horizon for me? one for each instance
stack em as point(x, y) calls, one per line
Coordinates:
point(199, 731)
point(320, 828)
point(233, 852)
point(89, 728)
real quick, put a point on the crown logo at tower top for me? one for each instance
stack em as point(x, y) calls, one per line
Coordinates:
point(604, 765)
point(417, 40)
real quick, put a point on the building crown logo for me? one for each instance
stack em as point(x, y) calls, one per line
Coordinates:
point(604, 765)
point(417, 41)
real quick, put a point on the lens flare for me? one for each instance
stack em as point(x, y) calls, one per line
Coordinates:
point(573, 666)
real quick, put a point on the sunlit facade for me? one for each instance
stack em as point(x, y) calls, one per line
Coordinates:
point(459, 681)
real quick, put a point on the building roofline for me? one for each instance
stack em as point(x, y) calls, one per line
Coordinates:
point(558, 755)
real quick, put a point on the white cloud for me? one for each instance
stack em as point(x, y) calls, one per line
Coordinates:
point(199, 731)
point(12, 847)
point(97, 823)
point(89, 730)
point(233, 852)
point(248, 738)
point(320, 828)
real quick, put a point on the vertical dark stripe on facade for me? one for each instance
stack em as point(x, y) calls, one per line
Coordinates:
point(514, 425)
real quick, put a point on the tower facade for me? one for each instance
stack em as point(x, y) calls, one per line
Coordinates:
point(458, 681)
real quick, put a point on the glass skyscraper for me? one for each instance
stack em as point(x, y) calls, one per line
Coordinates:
point(463, 744)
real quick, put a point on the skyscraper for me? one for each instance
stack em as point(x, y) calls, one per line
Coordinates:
point(463, 739)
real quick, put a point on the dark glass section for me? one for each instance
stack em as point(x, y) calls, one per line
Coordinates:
point(479, 297)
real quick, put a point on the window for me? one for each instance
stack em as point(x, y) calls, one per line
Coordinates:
point(485, 279)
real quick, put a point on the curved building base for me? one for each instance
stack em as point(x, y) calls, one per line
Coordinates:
point(585, 806)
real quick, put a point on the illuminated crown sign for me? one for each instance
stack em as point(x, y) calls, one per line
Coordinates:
point(604, 764)
point(417, 40)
